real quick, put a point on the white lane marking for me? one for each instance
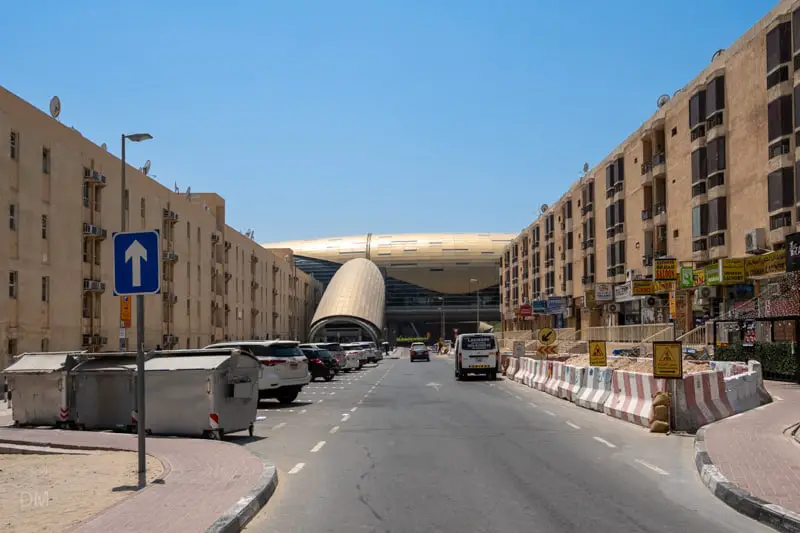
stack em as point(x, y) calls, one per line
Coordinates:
point(318, 446)
point(333, 393)
point(345, 417)
point(353, 410)
point(654, 468)
point(551, 413)
point(298, 467)
point(573, 425)
point(532, 404)
point(302, 411)
point(320, 401)
point(490, 384)
point(778, 398)
point(289, 411)
point(359, 402)
point(517, 397)
point(334, 429)
point(260, 418)
point(604, 441)
point(279, 426)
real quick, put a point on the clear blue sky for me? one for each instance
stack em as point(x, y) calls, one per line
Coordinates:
point(323, 118)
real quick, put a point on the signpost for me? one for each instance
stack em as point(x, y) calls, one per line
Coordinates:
point(137, 272)
point(547, 341)
point(667, 360)
point(519, 349)
point(598, 356)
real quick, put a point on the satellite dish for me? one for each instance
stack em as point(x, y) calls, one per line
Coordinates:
point(585, 168)
point(543, 208)
point(104, 146)
point(146, 167)
point(662, 100)
point(717, 54)
point(55, 106)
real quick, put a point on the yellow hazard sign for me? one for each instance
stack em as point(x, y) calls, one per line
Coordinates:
point(668, 360)
point(547, 336)
point(597, 353)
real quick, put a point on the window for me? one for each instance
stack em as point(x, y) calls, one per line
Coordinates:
point(781, 188)
point(796, 29)
point(610, 179)
point(97, 197)
point(12, 217)
point(569, 271)
point(717, 214)
point(46, 160)
point(12, 285)
point(13, 145)
point(715, 95)
point(44, 226)
point(620, 252)
point(87, 312)
point(779, 42)
point(143, 208)
point(610, 216)
point(699, 165)
point(86, 194)
point(11, 347)
point(569, 241)
point(188, 230)
point(619, 169)
point(568, 209)
point(96, 253)
point(620, 211)
point(87, 250)
point(697, 109)
point(700, 221)
point(716, 155)
point(45, 345)
point(611, 255)
point(779, 117)
point(45, 288)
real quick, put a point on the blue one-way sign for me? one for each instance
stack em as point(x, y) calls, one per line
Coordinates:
point(137, 263)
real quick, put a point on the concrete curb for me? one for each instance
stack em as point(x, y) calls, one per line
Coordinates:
point(238, 516)
point(740, 500)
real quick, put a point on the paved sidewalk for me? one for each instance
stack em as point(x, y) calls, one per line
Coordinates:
point(203, 480)
point(755, 450)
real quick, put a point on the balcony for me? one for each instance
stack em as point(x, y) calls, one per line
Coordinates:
point(549, 235)
point(610, 232)
point(549, 264)
point(715, 126)
point(660, 213)
point(700, 249)
point(93, 177)
point(587, 209)
point(659, 166)
point(647, 173)
point(588, 280)
point(780, 225)
point(716, 186)
point(254, 284)
point(216, 237)
point(170, 257)
point(699, 190)
point(90, 231)
point(619, 190)
point(170, 216)
point(588, 246)
point(717, 248)
point(93, 285)
point(780, 154)
point(647, 219)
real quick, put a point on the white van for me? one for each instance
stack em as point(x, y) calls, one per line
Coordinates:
point(477, 353)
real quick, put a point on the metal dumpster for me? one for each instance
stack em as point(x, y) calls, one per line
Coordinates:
point(105, 392)
point(42, 388)
point(201, 392)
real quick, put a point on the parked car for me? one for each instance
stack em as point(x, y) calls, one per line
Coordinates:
point(321, 363)
point(373, 354)
point(477, 353)
point(335, 349)
point(284, 367)
point(419, 352)
point(356, 355)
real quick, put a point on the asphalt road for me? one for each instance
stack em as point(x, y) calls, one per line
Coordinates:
point(404, 448)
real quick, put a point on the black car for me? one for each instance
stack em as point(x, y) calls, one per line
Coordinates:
point(321, 363)
point(419, 352)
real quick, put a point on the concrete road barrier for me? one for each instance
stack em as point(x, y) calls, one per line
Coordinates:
point(541, 373)
point(597, 389)
point(706, 399)
point(574, 381)
point(632, 396)
point(557, 377)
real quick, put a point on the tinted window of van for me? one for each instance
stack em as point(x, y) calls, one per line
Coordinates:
point(478, 342)
point(330, 346)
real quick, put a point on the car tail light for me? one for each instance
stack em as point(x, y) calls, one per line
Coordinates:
point(271, 362)
point(317, 361)
point(497, 354)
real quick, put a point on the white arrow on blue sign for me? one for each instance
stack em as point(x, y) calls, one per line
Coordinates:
point(137, 263)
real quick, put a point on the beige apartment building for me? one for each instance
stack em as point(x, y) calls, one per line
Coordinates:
point(709, 180)
point(62, 194)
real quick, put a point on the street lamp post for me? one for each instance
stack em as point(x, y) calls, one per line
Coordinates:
point(478, 307)
point(140, 404)
point(444, 329)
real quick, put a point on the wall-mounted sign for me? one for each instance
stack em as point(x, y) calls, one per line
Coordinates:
point(793, 252)
point(686, 277)
point(603, 292)
point(761, 265)
point(665, 268)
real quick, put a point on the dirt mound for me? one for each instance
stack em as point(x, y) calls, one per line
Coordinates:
point(630, 364)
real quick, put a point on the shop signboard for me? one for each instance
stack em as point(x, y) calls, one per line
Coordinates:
point(793, 252)
point(699, 277)
point(641, 288)
point(525, 310)
point(665, 268)
point(556, 305)
point(589, 298)
point(686, 277)
point(663, 287)
point(673, 306)
point(732, 271)
point(762, 265)
point(623, 293)
point(603, 292)
point(712, 274)
point(540, 306)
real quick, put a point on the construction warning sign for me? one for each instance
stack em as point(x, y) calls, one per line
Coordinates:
point(547, 336)
point(668, 360)
point(597, 353)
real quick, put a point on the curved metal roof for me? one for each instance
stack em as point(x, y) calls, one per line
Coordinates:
point(444, 262)
point(356, 292)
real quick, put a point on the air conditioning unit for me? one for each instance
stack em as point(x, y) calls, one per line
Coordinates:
point(755, 241)
point(612, 308)
point(650, 301)
point(705, 293)
point(631, 274)
point(662, 233)
point(568, 312)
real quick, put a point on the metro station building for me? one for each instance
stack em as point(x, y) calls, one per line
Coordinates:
point(435, 283)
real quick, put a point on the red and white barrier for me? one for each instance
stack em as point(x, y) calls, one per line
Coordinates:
point(213, 420)
point(729, 368)
point(529, 371)
point(631, 396)
point(574, 381)
point(541, 373)
point(63, 413)
point(557, 378)
point(511, 369)
point(706, 399)
point(597, 389)
point(523, 368)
